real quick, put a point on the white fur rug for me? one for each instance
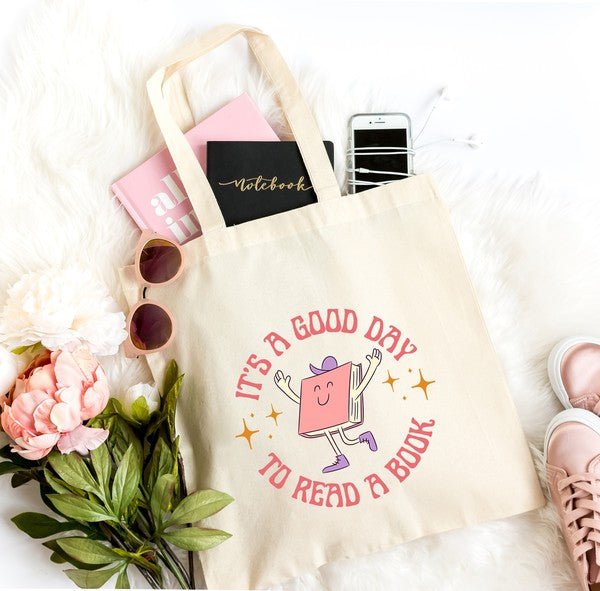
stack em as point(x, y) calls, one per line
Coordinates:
point(74, 117)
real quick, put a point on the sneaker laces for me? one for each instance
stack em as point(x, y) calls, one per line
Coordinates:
point(580, 494)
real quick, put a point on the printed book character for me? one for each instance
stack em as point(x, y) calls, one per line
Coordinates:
point(331, 402)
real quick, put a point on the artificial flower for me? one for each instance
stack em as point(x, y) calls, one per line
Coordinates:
point(51, 399)
point(129, 488)
point(147, 392)
point(62, 309)
point(8, 370)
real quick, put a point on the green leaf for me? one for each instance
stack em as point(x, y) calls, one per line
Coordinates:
point(46, 490)
point(155, 424)
point(169, 404)
point(101, 419)
point(140, 411)
point(10, 468)
point(122, 580)
point(109, 409)
point(57, 558)
point(86, 579)
point(197, 506)
point(121, 438)
point(38, 525)
point(20, 350)
point(175, 470)
point(171, 375)
point(20, 478)
point(73, 470)
point(88, 551)
point(24, 348)
point(126, 482)
point(58, 553)
point(117, 409)
point(91, 530)
point(57, 485)
point(161, 462)
point(161, 497)
point(196, 538)
point(81, 509)
point(103, 467)
point(125, 553)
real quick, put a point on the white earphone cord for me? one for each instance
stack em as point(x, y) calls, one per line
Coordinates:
point(381, 151)
point(474, 141)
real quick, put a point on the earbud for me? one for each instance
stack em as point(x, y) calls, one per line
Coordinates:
point(475, 141)
point(448, 93)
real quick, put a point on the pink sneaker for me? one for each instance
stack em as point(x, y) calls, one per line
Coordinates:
point(574, 371)
point(572, 458)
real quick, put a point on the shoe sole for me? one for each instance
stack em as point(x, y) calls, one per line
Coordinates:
point(576, 415)
point(554, 361)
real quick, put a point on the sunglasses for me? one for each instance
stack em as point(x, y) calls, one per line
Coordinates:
point(150, 326)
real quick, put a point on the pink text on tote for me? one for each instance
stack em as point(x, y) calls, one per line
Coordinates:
point(346, 494)
point(333, 394)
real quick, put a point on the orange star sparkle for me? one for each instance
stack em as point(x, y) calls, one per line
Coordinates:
point(247, 434)
point(423, 384)
point(274, 414)
point(390, 380)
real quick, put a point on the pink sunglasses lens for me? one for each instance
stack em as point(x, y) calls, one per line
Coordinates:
point(150, 328)
point(160, 261)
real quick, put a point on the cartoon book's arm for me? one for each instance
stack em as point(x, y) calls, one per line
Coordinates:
point(374, 360)
point(283, 383)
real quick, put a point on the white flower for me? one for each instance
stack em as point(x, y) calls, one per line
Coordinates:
point(9, 369)
point(62, 309)
point(146, 391)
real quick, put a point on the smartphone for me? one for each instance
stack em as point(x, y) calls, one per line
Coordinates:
point(380, 150)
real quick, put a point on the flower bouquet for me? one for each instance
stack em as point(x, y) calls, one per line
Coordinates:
point(108, 468)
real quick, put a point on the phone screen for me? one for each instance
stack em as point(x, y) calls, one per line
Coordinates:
point(379, 138)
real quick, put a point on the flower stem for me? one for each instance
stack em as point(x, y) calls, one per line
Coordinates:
point(190, 554)
point(133, 535)
point(166, 548)
point(154, 580)
point(177, 570)
point(145, 528)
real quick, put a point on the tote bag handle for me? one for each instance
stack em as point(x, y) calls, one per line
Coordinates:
point(297, 112)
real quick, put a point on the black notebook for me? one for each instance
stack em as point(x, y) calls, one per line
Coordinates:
point(253, 180)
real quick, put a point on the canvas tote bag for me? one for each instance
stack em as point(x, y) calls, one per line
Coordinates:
point(340, 382)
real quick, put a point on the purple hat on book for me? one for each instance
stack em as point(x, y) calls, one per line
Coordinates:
point(328, 364)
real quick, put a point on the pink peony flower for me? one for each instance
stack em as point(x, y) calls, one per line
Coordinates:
point(51, 399)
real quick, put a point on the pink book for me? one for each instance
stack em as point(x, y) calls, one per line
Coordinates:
point(153, 194)
point(327, 400)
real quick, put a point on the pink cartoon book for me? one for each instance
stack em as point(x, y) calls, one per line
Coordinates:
point(326, 400)
point(331, 403)
point(153, 194)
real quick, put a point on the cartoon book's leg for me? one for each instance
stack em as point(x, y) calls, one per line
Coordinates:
point(341, 461)
point(367, 437)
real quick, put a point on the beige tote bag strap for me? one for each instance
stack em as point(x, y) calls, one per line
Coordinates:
point(300, 119)
point(178, 102)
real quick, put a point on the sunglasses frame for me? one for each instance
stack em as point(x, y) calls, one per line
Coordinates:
point(148, 236)
point(129, 348)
